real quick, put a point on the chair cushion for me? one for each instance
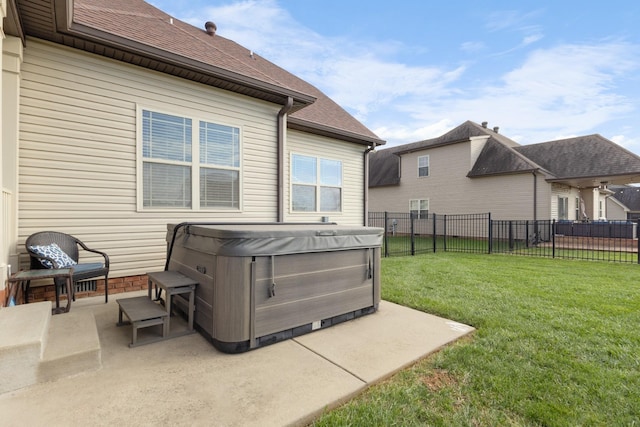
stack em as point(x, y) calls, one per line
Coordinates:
point(53, 251)
point(88, 266)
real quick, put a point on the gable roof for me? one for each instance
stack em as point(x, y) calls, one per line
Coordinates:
point(136, 32)
point(628, 195)
point(498, 159)
point(584, 161)
point(460, 133)
point(384, 165)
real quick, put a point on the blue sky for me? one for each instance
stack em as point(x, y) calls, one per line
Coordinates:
point(411, 70)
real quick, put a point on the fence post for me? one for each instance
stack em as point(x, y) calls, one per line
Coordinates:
point(386, 239)
point(638, 238)
point(490, 234)
point(444, 233)
point(553, 238)
point(412, 230)
point(510, 236)
point(435, 232)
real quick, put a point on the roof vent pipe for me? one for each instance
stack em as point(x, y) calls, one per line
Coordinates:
point(484, 124)
point(211, 28)
point(496, 129)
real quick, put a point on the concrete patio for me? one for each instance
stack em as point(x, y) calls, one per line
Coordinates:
point(186, 381)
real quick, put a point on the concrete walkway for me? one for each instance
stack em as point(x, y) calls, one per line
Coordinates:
point(186, 381)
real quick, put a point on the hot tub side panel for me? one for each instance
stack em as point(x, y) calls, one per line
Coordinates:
point(232, 301)
point(199, 266)
point(312, 287)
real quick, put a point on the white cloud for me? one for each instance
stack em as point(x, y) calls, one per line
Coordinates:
point(567, 89)
point(474, 46)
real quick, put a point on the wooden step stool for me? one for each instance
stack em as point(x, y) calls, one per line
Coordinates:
point(142, 312)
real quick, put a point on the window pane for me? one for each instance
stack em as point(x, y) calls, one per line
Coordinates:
point(330, 172)
point(563, 204)
point(303, 169)
point(167, 186)
point(219, 188)
point(166, 137)
point(330, 199)
point(219, 145)
point(304, 198)
point(423, 166)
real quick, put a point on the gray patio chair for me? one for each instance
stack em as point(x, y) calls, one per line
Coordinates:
point(70, 246)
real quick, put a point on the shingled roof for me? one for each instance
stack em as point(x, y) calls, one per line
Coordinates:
point(585, 161)
point(582, 157)
point(136, 32)
point(627, 195)
point(384, 165)
point(498, 159)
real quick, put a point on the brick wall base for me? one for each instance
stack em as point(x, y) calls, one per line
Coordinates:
point(117, 285)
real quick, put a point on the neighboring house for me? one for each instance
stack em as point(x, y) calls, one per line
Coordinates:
point(118, 119)
point(624, 203)
point(474, 169)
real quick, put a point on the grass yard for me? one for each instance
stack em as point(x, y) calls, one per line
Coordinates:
point(557, 344)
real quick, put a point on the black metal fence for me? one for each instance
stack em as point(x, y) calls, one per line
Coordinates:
point(410, 234)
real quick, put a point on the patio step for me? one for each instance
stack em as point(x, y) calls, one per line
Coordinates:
point(37, 347)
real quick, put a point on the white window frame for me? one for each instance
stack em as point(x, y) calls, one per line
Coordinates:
point(563, 208)
point(195, 165)
point(317, 184)
point(424, 163)
point(420, 213)
point(601, 214)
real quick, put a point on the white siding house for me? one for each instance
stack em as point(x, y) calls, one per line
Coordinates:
point(109, 133)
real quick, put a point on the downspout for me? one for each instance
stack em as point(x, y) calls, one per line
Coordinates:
point(365, 195)
point(282, 128)
point(535, 195)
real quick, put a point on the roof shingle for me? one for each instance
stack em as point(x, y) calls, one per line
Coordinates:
point(138, 28)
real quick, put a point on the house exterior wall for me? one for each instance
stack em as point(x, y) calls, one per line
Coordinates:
point(449, 191)
point(10, 63)
point(78, 153)
point(615, 210)
point(352, 157)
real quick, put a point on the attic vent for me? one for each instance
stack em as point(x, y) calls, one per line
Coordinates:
point(211, 28)
point(484, 124)
point(496, 129)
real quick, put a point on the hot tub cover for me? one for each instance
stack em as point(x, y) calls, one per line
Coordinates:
point(275, 238)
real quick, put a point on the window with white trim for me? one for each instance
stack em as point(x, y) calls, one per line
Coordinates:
point(563, 207)
point(419, 208)
point(600, 210)
point(316, 184)
point(189, 167)
point(423, 166)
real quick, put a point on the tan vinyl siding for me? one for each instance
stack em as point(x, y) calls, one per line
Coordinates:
point(449, 191)
point(616, 211)
point(78, 152)
point(352, 157)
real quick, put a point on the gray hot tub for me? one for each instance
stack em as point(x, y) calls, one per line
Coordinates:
point(262, 283)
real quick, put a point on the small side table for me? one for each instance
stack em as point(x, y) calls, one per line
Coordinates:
point(174, 283)
point(24, 277)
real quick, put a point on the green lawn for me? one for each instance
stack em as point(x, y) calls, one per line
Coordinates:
point(557, 344)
